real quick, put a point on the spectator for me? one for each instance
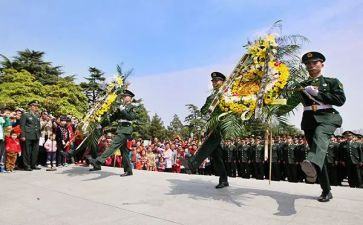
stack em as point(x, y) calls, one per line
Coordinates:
point(168, 156)
point(12, 150)
point(161, 166)
point(62, 137)
point(150, 157)
point(50, 147)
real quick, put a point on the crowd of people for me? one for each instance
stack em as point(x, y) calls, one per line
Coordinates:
point(246, 157)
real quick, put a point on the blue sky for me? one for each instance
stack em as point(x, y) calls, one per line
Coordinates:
point(174, 45)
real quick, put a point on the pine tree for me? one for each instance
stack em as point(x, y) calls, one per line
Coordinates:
point(157, 128)
point(94, 87)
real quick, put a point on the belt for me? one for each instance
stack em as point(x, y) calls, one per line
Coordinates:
point(125, 123)
point(317, 107)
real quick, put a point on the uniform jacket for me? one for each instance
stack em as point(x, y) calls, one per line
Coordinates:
point(350, 152)
point(330, 93)
point(128, 113)
point(30, 126)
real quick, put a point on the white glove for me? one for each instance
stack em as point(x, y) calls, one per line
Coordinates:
point(312, 90)
point(122, 107)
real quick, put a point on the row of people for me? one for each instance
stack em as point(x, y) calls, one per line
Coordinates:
point(248, 157)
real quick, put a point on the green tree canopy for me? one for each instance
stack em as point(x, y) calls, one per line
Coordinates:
point(157, 128)
point(142, 125)
point(33, 62)
point(17, 89)
point(93, 88)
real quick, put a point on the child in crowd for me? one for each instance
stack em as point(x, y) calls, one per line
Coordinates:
point(12, 149)
point(4, 128)
point(51, 149)
point(161, 166)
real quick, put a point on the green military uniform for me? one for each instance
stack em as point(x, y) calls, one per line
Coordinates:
point(230, 159)
point(275, 159)
point(300, 156)
point(352, 156)
point(212, 145)
point(283, 165)
point(244, 159)
point(124, 130)
point(320, 119)
point(257, 156)
point(289, 152)
point(332, 162)
point(30, 126)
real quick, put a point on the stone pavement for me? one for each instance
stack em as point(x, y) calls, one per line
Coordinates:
point(73, 195)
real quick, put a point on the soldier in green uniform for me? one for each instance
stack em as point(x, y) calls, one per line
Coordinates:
point(289, 158)
point(332, 161)
point(341, 168)
point(125, 115)
point(300, 157)
point(320, 120)
point(30, 126)
point(212, 145)
point(257, 153)
point(244, 158)
point(352, 158)
point(230, 160)
point(275, 170)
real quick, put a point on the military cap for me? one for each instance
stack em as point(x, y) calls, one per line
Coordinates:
point(218, 76)
point(348, 132)
point(128, 93)
point(258, 137)
point(313, 56)
point(34, 102)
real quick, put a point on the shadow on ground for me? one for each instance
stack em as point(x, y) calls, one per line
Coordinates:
point(199, 189)
point(83, 171)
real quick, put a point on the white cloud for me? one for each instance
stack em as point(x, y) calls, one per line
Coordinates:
point(167, 94)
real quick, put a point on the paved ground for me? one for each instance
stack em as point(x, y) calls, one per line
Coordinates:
point(72, 195)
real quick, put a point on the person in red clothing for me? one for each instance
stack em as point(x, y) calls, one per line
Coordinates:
point(12, 146)
point(70, 133)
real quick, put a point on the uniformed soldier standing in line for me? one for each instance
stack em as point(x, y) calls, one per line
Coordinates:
point(275, 173)
point(352, 158)
point(258, 157)
point(232, 157)
point(238, 145)
point(341, 168)
point(245, 159)
point(212, 145)
point(320, 119)
point(125, 115)
point(332, 161)
point(299, 158)
point(283, 165)
point(289, 158)
point(30, 127)
point(251, 147)
point(360, 141)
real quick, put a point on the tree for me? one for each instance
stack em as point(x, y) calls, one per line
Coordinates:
point(176, 127)
point(94, 87)
point(17, 89)
point(194, 120)
point(142, 124)
point(157, 128)
point(32, 61)
point(65, 98)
